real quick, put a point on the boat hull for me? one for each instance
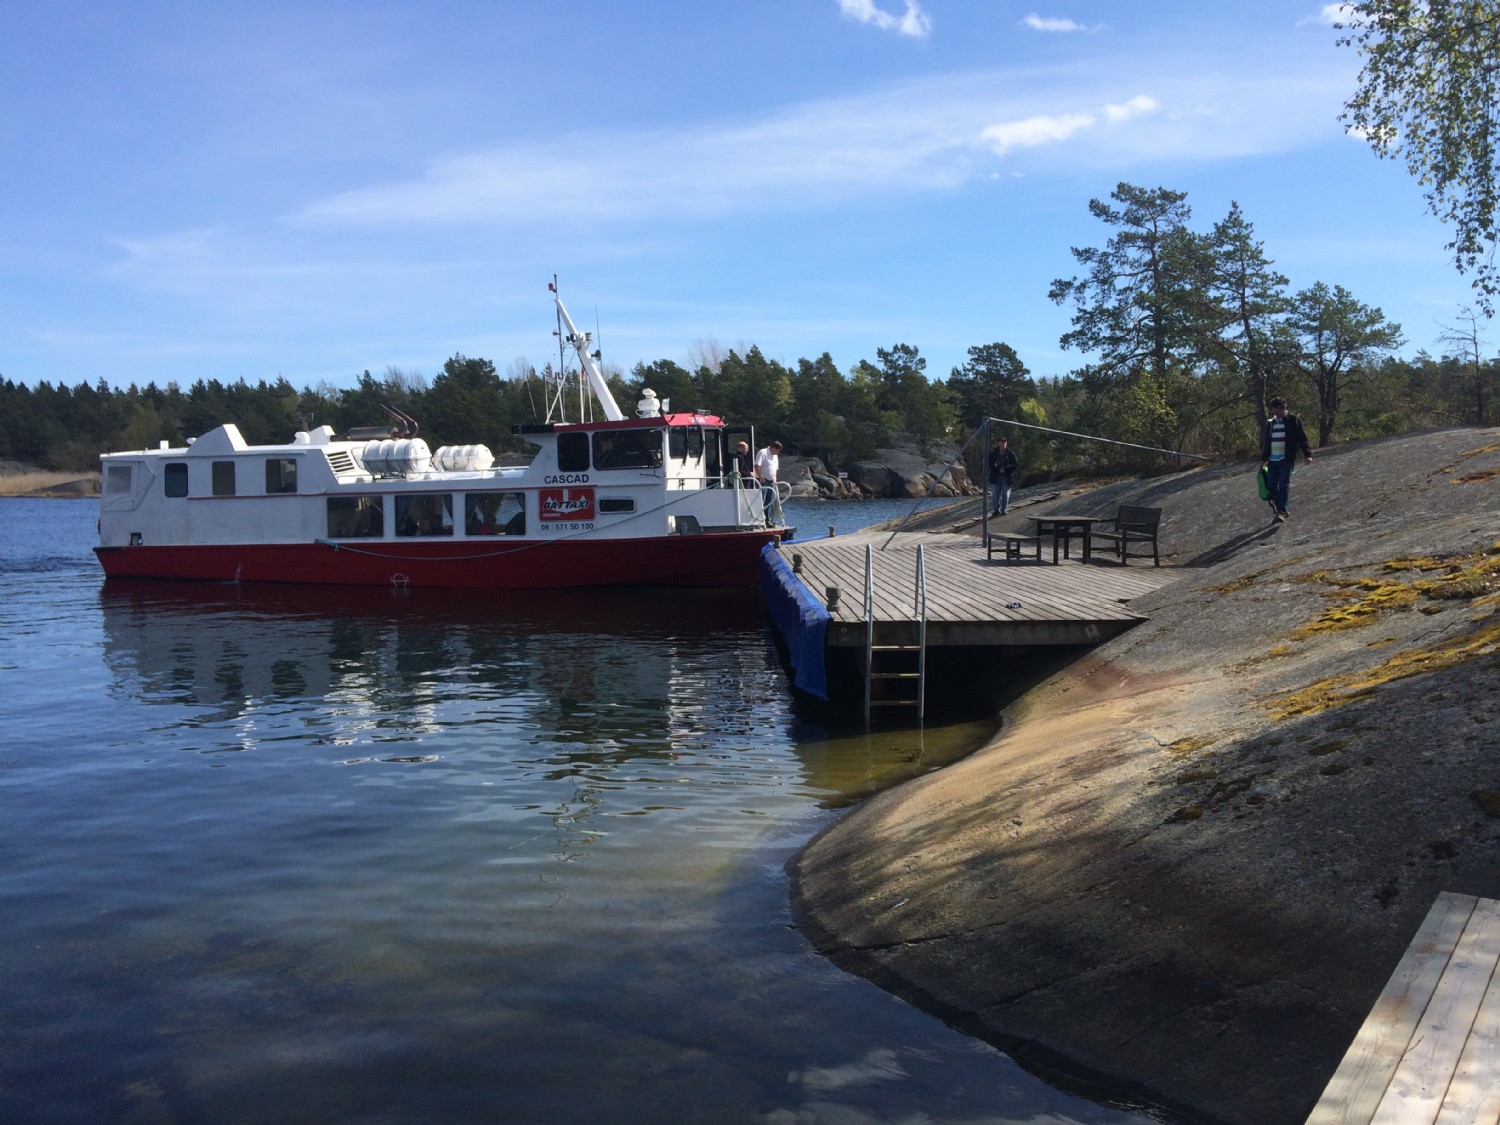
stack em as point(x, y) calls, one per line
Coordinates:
point(705, 560)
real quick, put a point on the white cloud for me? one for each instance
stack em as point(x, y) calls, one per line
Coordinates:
point(914, 23)
point(1033, 131)
point(1133, 108)
point(1047, 23)
point(922, 136)
point(1048, 128)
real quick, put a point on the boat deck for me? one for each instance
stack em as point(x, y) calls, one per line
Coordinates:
point(971, 599)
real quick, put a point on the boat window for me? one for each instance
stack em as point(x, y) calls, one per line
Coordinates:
point(281, 474)
point(175, 478)
point(495, 513)
point(117, 480)
point(223, 478)
point(627, 449)
point(424, 515)
point(355, 517)
point(690, 443)
point(572, 453)
point(616, 504)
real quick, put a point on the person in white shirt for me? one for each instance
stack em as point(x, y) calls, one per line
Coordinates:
point(767, 465)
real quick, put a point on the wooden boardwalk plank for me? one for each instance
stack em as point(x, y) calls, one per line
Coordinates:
point(1395, 1027)
point(1421, 1080)
point(1474, 1093)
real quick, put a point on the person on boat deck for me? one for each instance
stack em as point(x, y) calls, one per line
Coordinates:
point(744, 464)
point(1281, 437)
point(767, 465)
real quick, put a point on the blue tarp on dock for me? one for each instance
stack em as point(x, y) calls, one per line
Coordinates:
point(801, 618)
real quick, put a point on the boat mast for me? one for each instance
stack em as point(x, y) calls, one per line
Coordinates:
point(581, 343)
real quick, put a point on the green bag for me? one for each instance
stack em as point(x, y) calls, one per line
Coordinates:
point(1260, 484)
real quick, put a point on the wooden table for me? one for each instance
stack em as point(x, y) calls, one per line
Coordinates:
point(1064, 529)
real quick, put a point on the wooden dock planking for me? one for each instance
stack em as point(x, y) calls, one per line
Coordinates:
point(971, 599)
point(1428, 1050)
point(1474, 1093)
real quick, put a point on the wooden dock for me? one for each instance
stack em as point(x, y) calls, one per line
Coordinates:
point(971, 600)
point(1430, 1049)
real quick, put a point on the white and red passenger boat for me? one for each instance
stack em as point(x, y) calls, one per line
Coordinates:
point(646, 501)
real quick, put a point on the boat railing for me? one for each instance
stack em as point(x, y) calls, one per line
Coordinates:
point(755, 503)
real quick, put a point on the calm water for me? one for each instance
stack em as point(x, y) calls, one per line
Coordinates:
point(327, 855)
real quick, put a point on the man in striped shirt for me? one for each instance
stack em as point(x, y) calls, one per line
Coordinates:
point(1281, 438)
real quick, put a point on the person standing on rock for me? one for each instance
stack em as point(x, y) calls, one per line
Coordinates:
point(1281, 438)
point(767, 465)
point(1004, 469)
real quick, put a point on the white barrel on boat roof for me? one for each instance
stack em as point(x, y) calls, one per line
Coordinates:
point(462, 458)
point(395, 458)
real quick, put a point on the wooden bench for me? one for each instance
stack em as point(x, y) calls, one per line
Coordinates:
point(1427, 1050)
point(1132, 525)
point(1012, 543)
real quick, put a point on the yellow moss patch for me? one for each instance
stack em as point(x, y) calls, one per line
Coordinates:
point(1327, 576)
point(1427, 562)
point(1479, 477)
point(1336, 691)
point(1362, 601)
point(1188, 745)
point(1481, 449)
point(1378, 599)
point(1466, 579)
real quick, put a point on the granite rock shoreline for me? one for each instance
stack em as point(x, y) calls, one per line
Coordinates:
point(1187, 864)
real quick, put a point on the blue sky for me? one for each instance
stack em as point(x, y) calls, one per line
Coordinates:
point(253, 190)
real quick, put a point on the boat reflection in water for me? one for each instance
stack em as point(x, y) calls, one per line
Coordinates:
point(614, 675)
point(424, 854)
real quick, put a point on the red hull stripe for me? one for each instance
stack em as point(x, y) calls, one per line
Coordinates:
point(676, 560)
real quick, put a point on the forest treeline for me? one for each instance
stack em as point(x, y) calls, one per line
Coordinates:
point(1191, 332)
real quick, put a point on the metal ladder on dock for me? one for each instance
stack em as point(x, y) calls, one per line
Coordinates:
point(892, 663)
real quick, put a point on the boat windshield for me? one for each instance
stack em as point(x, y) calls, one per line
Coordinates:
point(627, 449)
